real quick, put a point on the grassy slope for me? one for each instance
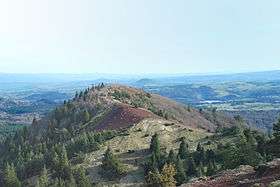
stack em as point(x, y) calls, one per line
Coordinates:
point(132, 144)
point(132, 147)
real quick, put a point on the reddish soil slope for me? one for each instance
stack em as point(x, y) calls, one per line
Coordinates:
point(123, 116)
point(245, 176)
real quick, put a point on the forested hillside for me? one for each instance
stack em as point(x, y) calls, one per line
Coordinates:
point(121, 135)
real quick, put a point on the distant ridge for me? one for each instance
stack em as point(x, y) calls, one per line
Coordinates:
point(141, 79)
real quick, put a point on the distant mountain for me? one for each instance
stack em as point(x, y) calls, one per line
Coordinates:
point(264, 76)
point(134, 79)
point(146, 82)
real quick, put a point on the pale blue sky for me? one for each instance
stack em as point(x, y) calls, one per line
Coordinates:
point(139, 36)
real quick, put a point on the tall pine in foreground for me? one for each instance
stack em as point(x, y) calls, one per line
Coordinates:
point(155, 146)
point(180, 172)
point(111, 166)
point(10, 177)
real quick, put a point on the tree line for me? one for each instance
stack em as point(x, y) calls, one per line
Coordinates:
point(178, 167)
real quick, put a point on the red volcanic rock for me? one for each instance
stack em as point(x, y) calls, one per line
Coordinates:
point(123, 116)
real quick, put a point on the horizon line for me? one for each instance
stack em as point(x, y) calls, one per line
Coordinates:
point(142, 74)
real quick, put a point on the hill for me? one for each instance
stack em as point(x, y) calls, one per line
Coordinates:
point(117, 107)
point(119, 135)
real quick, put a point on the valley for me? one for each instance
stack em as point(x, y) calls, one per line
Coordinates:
point(257, 102)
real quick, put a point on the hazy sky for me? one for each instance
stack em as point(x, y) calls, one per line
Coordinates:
point(139, 36)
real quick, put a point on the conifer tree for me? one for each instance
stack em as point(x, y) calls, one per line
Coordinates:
point(155, 146)
point(81, 94)
point(76, 95)
point(180, 172)
point(210, 156)
point(112, 167)
point(81, 178)
point(63, 159)
point(153, 179)
point(153, 165)
point(43, 179)
point(86, 116)
point(211, 169)
point(183, 149)
point(10, 177)
point(171, 157)
point(199, 170)
point(63, 169)
point(199, 156)
point(191, 167)
point(53, 158)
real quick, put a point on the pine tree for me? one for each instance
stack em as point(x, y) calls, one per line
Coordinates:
point(171, 157)
point(63, 169)
point(262, 145)
point(81, 94)
point(153, 165)
point(191, 167)
point(86, 116)
point(210, 156)
point(43, 179)
point(211, 169)
point(200, 170)
point(183, 149)
point(199, 156)
point(63, 159)
point(112, 167)
point(180, 172)
point(76, 95)
point(251, 140)
point(155, 146)
point(10, 177)
point(81, 178)
point(153, 179)
point(53, 158)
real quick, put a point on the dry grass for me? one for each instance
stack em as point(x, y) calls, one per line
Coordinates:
point(132, 148)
